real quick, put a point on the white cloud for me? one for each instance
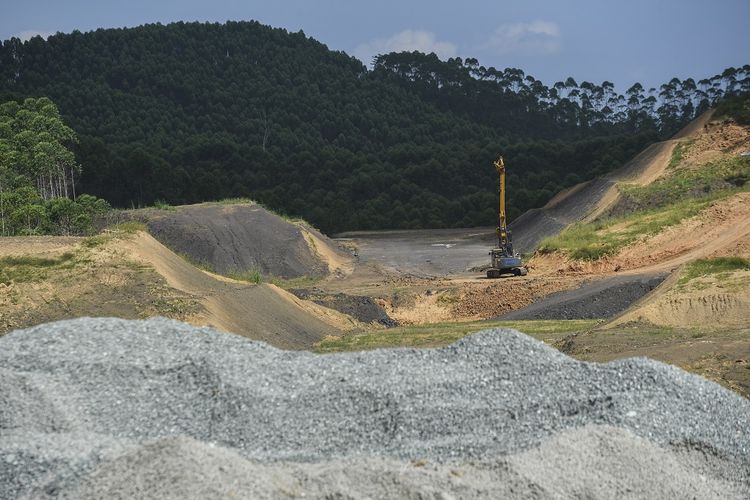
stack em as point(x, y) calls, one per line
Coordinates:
point(29, 34)
point(533, 38)
point(407, 40)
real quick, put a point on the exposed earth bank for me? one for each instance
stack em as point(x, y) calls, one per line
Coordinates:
point(597, 299)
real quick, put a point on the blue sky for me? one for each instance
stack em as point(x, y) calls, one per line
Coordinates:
point(595, 40)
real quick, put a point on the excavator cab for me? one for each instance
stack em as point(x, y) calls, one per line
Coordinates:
point(503, 261)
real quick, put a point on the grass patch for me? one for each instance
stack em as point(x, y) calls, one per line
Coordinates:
point(707, 267)
point(440, 334)
point(25, 269)
point(678, 153)
point(713, 178)
point(664, 203)
point(163, 205)
point(113, 232)
point(235, 201)
point(255, 276)
point(594, 240)
point(251, 276)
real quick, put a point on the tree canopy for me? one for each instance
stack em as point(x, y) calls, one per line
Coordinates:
point(37, 172)
point(190, 112)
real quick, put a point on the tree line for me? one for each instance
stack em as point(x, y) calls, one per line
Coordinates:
point(191, 112)
point(38, 173)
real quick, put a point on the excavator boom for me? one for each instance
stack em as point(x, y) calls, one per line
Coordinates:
point(503, 260)
point(502, 229)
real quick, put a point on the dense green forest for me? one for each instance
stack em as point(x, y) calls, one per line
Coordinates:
point(38, 172)
point(191, 112)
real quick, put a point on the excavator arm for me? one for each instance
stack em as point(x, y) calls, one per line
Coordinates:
point(502, 228)
point(503, 260)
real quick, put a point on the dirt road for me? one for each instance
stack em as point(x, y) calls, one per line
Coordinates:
point(426, 252)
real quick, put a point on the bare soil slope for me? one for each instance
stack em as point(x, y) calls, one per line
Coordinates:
point(601, 298)
point(134, 276)
point(236, 238)
point(261, 312)
point(588, 200)
point(49, 278)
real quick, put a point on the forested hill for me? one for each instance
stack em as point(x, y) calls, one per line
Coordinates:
point(191, 112)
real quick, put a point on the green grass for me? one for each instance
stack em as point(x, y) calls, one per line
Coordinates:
point(255, 276)
point(679, 152)
point(235, 201)
point(715, 177)
point(664, 203)
point(251, 276)
point(163, 205)
point(708, 267)
point(440, 334)
point(24, 269)
point(114, 232)
point(594, 240)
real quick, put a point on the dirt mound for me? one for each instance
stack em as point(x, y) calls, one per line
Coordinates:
point(236, 238)
point(715, 301)
point(96, 406)
point(501, 296)
point(717, 139)
point(56, 277)
point(261, 312)
point(596, 299)
point(364, 309)
point(721, 229)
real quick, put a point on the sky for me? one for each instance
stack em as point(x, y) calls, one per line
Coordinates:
point(595, 40)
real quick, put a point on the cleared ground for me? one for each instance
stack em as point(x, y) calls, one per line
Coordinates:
point(424, 253)
point(129, 274)
point(430, 282)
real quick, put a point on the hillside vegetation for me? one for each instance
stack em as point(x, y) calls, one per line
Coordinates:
point(38, 173)
point(688, 186)
point(193, 112)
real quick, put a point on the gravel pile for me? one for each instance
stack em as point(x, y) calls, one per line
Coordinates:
point(359, 307)
point(598, 299)
point(116, 408)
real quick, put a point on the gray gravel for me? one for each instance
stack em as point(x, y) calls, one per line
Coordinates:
point(82, 399)
point(234, 238)
point(598, 299)
point(360, 307)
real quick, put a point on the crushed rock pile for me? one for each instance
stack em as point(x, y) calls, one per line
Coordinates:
point(94, 408)
point(602, 298)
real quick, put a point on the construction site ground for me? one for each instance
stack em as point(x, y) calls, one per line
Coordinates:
point(431, 282)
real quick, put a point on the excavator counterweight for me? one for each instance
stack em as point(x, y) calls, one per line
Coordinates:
point(503, 261)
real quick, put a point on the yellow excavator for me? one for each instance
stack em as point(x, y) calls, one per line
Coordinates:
point(503, 261)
